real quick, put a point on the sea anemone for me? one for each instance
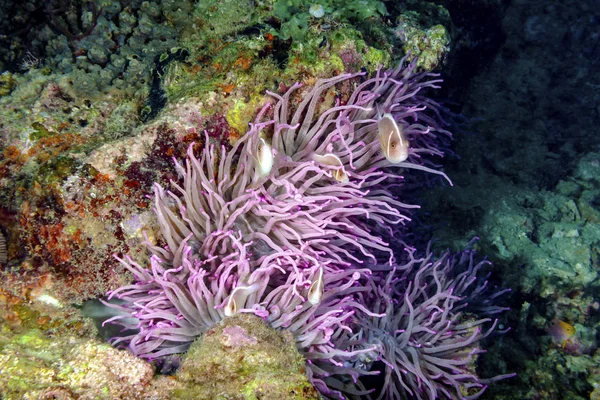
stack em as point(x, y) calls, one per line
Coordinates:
point(279, 225)
point(427, 340)
point(351, 131)
point(321, 193)
point(167, 309)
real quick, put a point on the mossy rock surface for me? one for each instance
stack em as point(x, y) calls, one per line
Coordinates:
point(243, 358)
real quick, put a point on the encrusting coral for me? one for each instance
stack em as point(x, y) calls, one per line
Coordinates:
point(242, 356)
point(35, 366)
point(294, 225)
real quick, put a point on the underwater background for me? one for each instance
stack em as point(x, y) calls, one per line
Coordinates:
point(233, 186)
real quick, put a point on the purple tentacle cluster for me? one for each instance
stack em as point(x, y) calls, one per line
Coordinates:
point(293, 224)
point(351, 131)
point(428, 338)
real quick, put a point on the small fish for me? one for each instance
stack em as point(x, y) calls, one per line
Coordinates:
point(391, 138)
point(237, 298)
point(264, 158)
point(561, 332)
point(340, 174)
point(315, 291)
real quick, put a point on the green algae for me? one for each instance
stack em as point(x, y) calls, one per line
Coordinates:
point(40, 131)
point(375, 58)
point(296, 17)
point(425, 31)
point(225, 17)
point(55, 170)
point(242, 112)
point(242, 355)
point(33, 340)
point(29, 319)
point(429, 45)
point(7, 84)
point(345, 50)
point(38, 366)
